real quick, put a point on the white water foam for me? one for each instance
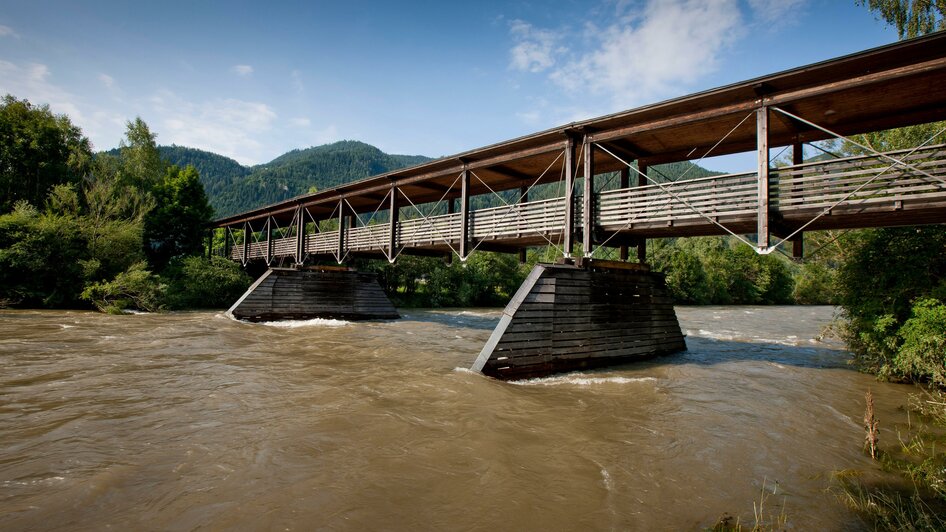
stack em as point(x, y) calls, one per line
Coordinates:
point(314, 322)
point(579, 379)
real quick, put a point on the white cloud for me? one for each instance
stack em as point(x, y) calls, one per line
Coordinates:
point(535, 49)
point(32, 82)
point(772, 11)
point(241, 70)
point(300, 122)
point(107, 80)
point(226, 126)
point(7, 31)
point(669, 45)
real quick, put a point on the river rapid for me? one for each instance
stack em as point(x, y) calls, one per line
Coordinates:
point(191, 420)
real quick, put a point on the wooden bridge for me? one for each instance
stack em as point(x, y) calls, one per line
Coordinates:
point(600, 183)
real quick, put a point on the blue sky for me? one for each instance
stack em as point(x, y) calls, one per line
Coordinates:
point(252, 81)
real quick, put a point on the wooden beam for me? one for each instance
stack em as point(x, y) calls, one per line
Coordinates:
point(394, 214)
point(341, 231)
point(569, 237)
point(464, 214)
point(301, 235)
point(762, 140)
point(641, 182)
point(246, 243)
point(625, 183)
point(588, 199)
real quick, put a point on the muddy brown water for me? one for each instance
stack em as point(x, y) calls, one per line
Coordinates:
point(193, 421)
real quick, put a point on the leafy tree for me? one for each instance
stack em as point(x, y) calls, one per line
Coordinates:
point(37, 151)
point(177, 223)
point(40, 258)
point(912, 18)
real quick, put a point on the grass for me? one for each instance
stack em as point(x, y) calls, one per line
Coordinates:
point(918, 502)
point(764, 519)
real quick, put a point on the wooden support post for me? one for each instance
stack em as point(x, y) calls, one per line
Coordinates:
point(246, 243)
point(300, 234)
point(762, 141)
point(798, 153)
point(210, 244)
point(798, 246)
point(642, 182)
point(464, 214)
point(625, 183)
point(394, 215)
point(569, 237)
point(227, 235)
point(341, 231)
point(523, 198)
point(269, 239)
point(588, 200)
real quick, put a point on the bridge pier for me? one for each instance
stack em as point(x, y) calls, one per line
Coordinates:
point(321, 292)
point(576, 316)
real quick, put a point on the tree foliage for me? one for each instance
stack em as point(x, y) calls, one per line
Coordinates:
point(176, 225)
point(912, 18)
point(90, 241)
point(38, 150)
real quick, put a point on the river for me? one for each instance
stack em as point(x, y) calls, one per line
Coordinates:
point(191, 420)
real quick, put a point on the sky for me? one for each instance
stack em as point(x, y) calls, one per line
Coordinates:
point(253, 80)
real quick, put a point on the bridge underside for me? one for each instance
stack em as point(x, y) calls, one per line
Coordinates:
point(593, 185)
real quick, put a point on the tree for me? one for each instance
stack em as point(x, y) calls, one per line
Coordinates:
point(912, 18)
point(177, 223)
point(38, 150)
point(141, 163)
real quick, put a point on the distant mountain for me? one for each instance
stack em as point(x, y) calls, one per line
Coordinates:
point(217, 173)
point(233, 188)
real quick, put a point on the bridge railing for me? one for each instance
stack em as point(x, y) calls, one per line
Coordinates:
point(367, 238)
point(716, 196)
point(429, 231)
point(855, 180)
point(521, 219)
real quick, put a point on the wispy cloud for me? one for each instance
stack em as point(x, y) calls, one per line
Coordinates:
point(226, 126)
point(7, 31)
point(672, 44)
point(651, 49)
point(242, 70)
point(300, 122)
point(771, 11)
point(34, 82)
point(535, 49)
point(107, 80)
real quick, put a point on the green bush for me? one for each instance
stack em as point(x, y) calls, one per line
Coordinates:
point(135, 288)
point(195, 282)
point(922, 356)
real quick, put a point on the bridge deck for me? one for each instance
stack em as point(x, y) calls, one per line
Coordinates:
point(859, 191)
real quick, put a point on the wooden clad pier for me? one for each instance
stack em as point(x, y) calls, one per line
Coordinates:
point(337, 293)
point(578, 316)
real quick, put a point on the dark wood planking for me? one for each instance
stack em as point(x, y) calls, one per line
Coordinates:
point(567, 317)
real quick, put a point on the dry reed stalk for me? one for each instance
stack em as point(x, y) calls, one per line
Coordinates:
point(870, 426)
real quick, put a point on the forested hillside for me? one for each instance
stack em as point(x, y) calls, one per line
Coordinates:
point(234, 188)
